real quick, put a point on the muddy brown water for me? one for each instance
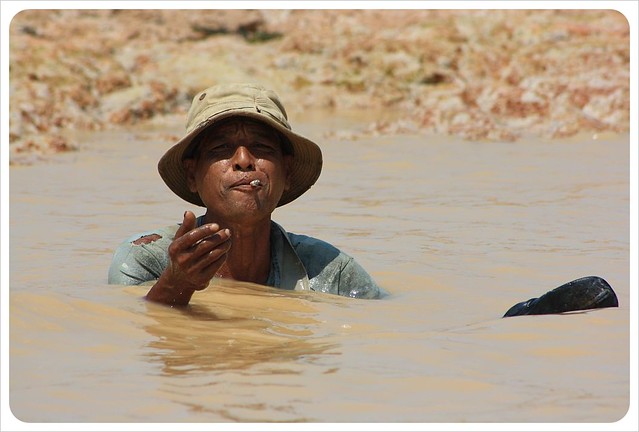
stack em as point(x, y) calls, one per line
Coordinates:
point(457, 231)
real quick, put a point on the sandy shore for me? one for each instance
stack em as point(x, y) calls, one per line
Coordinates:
point(480, 75)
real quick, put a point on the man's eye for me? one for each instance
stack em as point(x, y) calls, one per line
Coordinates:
point(263, 147)
point(221, 148)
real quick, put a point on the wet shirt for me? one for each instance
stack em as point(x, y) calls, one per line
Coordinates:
point(298, 262)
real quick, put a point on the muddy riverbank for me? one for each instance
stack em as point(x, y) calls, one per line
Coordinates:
point(495, 75)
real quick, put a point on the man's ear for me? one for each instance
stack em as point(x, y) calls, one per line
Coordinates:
point(189, 170)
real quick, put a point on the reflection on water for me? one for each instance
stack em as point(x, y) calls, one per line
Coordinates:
point(458, 232)
point(234, 326)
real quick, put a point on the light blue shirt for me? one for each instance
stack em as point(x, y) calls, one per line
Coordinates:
point(298, 262)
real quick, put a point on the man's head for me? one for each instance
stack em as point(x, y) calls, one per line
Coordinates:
point(217, 106)
point(239, 167)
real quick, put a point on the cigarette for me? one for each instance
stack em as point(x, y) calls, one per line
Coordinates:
point(256, 183)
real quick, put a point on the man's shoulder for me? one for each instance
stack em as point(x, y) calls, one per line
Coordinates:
point(332, 270)
point(161, 235)
point(318, 256)
point(301, 240)
point(141, 257)
point(307, 245)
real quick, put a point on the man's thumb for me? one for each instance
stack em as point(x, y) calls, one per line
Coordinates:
point(188, 223)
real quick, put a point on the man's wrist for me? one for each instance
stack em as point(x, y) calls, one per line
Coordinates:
point(168, 293)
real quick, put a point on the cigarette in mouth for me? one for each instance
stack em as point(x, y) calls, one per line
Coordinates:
point(256, 183)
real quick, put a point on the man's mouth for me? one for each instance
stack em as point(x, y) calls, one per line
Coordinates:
point(247, 183)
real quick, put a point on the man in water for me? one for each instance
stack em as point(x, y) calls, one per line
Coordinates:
point(240, 160)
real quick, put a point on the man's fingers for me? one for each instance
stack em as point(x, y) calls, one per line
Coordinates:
point(210, 263)
point(198, 242)
point(202, 261)
point(192, 238)
point(207, 231)
point(221, 239)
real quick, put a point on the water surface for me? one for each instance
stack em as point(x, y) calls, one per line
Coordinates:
point(457, 231)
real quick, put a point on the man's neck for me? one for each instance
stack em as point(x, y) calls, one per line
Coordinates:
point(249, 259)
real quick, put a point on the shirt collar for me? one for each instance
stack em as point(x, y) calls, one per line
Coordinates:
point(285, 263)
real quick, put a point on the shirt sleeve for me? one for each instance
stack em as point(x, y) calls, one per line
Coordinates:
point(135, 262)
point(355, 282)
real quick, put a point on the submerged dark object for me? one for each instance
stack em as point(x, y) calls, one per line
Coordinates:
point(590, 292)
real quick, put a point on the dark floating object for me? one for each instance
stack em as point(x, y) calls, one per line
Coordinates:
point(590, 292)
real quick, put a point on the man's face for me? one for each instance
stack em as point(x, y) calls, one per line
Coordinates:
point(231, 156)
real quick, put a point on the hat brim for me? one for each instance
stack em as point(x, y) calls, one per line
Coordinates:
point(304, 171)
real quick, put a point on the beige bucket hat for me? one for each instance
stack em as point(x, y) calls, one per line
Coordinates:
point(241, 100)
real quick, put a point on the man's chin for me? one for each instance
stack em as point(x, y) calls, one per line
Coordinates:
point(252, 211)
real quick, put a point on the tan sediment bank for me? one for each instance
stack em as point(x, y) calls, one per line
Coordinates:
point(479, 75)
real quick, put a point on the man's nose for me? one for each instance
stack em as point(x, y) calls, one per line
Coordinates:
point(243, 159)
